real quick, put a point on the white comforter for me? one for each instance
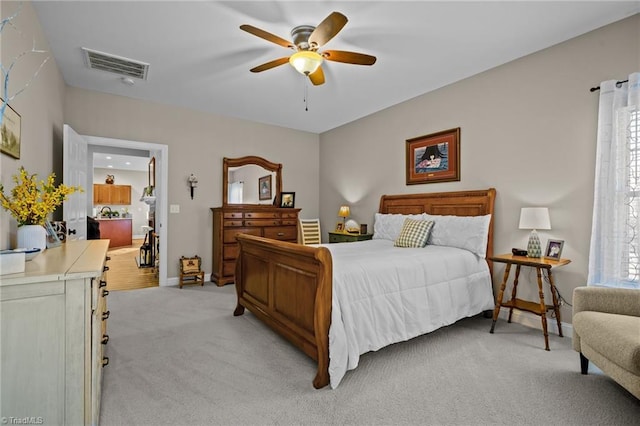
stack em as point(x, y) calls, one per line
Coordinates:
point(384, 294)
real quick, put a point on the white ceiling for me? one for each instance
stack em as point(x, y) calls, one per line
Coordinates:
point(200, 59)
point(120, 162)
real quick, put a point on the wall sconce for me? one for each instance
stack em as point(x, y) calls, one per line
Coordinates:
point(534, 218)
point(193, 182)
point(344, 214)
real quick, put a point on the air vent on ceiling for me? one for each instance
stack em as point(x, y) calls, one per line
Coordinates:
point(115, 64)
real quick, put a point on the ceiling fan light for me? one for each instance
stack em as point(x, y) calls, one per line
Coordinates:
point(305, 61)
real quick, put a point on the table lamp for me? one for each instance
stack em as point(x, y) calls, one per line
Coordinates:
point(344, 214)
point(534, 218)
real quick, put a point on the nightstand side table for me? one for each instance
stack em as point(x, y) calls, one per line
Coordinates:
point(343, 237)
point(538, 308)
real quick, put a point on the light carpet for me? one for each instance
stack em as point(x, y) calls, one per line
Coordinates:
point(179, 357)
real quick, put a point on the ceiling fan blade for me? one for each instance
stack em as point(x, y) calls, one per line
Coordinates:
point(267, 36)
point(327, 29)
point(348, 57)
point(317, 77)
point(271, 64)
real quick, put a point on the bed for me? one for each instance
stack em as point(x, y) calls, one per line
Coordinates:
point(290, 287)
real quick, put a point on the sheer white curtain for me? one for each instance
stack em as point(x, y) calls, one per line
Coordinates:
point(615, 235)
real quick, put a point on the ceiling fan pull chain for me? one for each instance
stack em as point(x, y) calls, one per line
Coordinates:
point(306, 95)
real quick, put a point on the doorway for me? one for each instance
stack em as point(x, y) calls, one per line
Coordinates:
point(161, 154)
point(78, 166)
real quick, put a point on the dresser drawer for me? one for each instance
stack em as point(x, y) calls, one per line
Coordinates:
point(230, 251)
point(262, 222)
point(229, 268)
point(281, 233)
point(232, 215)
point(288, 215)
point(262, 215)
point(290, 222)
point(229, 235)
point(232, 223)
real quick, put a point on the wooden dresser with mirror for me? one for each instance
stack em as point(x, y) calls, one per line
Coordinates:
point(251, 188)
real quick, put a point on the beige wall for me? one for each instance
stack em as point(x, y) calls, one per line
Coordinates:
point(528, 129)
point(197, 143)
point(39, 105)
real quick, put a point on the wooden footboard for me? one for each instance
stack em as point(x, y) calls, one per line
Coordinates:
point(288, 286)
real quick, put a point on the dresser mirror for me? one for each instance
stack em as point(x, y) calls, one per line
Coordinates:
point(251, 180)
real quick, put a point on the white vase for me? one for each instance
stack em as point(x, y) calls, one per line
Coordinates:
point(32, 236)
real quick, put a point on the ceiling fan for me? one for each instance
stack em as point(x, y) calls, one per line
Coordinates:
point(306, 42)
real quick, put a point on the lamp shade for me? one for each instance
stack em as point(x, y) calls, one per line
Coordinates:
point(534, 218)
point(305, 61)
point(344, 211)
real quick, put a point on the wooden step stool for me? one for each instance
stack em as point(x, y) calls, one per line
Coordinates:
point(190, 271)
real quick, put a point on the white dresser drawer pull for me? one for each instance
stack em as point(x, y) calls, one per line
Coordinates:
point(105, 361)
point(105, 339)
point(105, 292)
point(105, 315)
point(105, 268)
point(103, 283)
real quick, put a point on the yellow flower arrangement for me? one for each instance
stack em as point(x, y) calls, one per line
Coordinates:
point(30, 201)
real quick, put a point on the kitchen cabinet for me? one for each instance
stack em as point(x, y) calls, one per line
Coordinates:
point(118, 230)
point(105, 194)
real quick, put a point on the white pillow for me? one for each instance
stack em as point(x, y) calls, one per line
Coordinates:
point(388, 226)
point(465, 232)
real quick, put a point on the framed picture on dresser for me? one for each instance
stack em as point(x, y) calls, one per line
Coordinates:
point(288, 199)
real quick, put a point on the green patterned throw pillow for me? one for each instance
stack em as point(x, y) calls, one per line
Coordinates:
point(414, 233)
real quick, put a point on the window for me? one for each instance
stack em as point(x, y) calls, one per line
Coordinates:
point(631, 253)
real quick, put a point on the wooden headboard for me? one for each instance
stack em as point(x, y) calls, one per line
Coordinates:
point(460, 203)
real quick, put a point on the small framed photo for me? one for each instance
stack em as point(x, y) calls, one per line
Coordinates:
point(554, 249)
point(288, 199)
point(339, 227)
point(264, 187)
point(52, 236)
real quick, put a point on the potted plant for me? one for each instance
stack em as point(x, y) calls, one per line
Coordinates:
point(30, 202)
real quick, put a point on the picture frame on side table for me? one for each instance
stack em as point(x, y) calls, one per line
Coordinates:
point(339, 227)
point(11, 134)
point(434, 158)
point(554, 249)
point(288, 199)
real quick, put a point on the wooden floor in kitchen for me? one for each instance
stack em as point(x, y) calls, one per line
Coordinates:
point(124, 273)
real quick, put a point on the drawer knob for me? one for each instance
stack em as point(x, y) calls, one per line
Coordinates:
point(105, 339)
point(103, 283)
point(105, 292)
point(105, 315)
point(280, 234)
point(105, 361)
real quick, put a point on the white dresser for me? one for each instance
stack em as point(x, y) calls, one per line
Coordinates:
point(53, 333)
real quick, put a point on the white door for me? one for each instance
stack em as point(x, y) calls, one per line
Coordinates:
point(74, 171)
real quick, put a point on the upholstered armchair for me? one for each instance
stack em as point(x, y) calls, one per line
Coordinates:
point(606, 331)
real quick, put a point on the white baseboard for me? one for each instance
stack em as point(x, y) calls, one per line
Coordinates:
point(175, 281)
point(531, 320)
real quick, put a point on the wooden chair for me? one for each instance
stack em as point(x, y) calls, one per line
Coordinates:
point(191, 271)
point(310, 231)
